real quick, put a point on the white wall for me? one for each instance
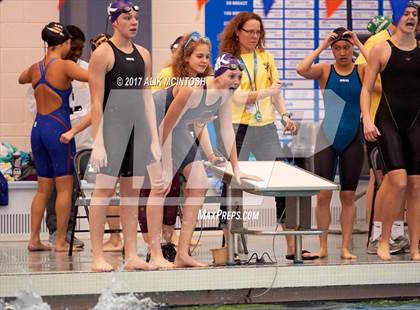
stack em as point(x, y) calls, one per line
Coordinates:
point(21, 22)
point(172, 18)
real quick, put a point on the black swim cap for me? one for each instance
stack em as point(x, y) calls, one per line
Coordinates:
point(341, 35)
point(55, 34)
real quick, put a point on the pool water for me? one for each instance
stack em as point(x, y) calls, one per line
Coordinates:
point(368, 305)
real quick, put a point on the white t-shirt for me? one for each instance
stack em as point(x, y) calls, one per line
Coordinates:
point(79, 103)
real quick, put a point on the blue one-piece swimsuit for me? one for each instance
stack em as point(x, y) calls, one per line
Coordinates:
point(52, 158)
point(340, 142)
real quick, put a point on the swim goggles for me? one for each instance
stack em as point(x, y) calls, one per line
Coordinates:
point(195, 36)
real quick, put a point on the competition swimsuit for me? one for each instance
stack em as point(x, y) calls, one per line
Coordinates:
point(184, 148)
point(125, 131)
point(398, 115)
point(52, 158)
point(340, 136)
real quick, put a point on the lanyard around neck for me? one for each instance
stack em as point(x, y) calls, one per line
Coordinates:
point(252, 83)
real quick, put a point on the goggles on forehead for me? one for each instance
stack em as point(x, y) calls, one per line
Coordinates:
point(234, 67)
point(195, 36)
point(343, 36)
point(412, 4)
point(126, 9)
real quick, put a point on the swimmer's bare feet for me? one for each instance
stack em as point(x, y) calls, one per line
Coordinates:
point(184, 260)
point(323, 252)
point(161, 263)
point(415, 255)
point(136, 263)
point(64, 247)
point(101, 265)
point(383, 250)
point(38, 246)
point(113, 245)
point(345, 254)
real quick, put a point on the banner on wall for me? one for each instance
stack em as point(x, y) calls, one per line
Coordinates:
point(201, 3)
point(293, 29)
point(61, 4)
point(332, 6)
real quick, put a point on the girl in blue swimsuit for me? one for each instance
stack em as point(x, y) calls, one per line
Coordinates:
point(339, 142)
point(51, 79)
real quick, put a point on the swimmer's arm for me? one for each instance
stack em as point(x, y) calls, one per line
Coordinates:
point(308, 69)
point(148, 98)
point(175, 111)
point(97, 72)
point(378, 87)
point(227, 133)
point(203, 136)
point(25, 76)
point(82, 125)
point(85, 122)
point(75, 72)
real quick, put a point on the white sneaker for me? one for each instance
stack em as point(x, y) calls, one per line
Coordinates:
point(403, 242)
point(373, 247)
point(51, 239)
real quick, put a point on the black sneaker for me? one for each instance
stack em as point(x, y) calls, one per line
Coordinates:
point(169, 252)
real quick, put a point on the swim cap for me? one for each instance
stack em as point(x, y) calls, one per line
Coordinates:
point(54, 34)
point(412, 4)
point(378, 23)
point(98, 40)
point(175, 44)
point(341, 35)
point(226, 62)
point(397, 16)
point(117, 7)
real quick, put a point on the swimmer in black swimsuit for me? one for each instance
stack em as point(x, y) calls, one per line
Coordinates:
point(397, 126)
point(124, 127)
